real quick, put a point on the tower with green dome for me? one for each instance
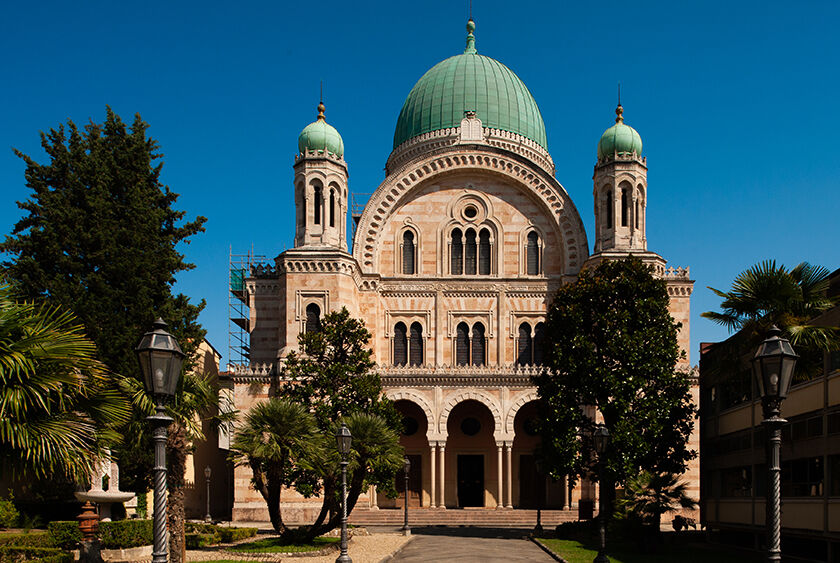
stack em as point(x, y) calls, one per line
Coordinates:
point(320, 186)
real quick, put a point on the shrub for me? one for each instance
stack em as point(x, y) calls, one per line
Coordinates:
point(228, 535)
point(27, 540)
point(125, 533)
point(578, 530)
point(11, 554)
point(64, 533)
point(8, 513)
point(195, 540)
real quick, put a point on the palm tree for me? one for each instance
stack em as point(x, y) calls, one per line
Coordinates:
point(648, 496)
point(58, 406)
point(278, 441)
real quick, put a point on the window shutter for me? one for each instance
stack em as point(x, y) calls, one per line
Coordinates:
point(525, 347)
point(478, 344)
point(470, 250)
point(462, 345)
point(456, 267)
point(484, 252)
point(399, 345)
point(533, 254)
point(408, 252)
point(416, 345)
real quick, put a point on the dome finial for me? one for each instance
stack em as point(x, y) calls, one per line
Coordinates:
point(321, 106)
point(619, 111)
point(470, 50)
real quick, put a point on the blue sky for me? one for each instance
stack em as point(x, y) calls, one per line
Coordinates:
point(736, 103)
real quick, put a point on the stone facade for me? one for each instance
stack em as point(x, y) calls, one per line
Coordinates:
point(455, 259)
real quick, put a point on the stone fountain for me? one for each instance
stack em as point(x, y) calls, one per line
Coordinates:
point(105, 487)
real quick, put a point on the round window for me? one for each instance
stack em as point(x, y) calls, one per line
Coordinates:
point(470, 212)
point(410, 426)
point(470, 426)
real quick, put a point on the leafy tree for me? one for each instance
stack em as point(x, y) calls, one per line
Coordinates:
point(612, 346)
point(278, 440)
point(769, 294)
point(99, 237)
point(333, 377)
point(58, 410)
point(647, 496)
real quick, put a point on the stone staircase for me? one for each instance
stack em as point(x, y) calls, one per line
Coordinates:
point(479, 517)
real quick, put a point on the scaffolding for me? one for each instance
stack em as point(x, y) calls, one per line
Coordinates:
point(239, 311)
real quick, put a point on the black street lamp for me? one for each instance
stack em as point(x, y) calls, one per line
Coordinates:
point(406, 468)
point(601, 437)
point(160, 359)
point(207, 517)
point(773, 365)
point(539, 466)
point(343, 440)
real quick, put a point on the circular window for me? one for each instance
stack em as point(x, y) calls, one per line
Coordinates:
point(470, 212)
point(470, 426)
point(531, 427)
point(410, 426)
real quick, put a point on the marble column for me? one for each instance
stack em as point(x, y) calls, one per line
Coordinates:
point(509, 476)
point(433, 491)
point(374, 502)
point(442, 476)
point(499, 447)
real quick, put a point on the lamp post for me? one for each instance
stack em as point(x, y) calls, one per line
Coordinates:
point(207, 517)
point(160, 359)
point(601, 437)
point(343, 440)
point(406, 468)
point(538, 529)
point(773, 365)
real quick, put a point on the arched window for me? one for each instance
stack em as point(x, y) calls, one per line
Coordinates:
point(608, 209)
point(625, 207)
point(539, 344)
point(332, 208)
point(478, 344)
point(317, 205)
point(408, 252)
point(484, 252)
point(532, 253)
point(313, 318)
point(636, 215)
point(524, 346)
point(469, 253)
point(415, 345)
point(400, 345)
point(462, 344)
point(457, 262)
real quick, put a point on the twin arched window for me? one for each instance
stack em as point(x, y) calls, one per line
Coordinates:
point(530, 347)
point(409, 253)
point(408, 348)
point(313, 318)
point(470, 349)
point(470, 252)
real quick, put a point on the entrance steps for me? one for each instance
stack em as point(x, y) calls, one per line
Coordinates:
point(482, 517)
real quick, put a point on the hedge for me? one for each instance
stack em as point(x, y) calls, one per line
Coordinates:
point(12, 554)
point(126, 533)
point(64, 533)
point(220, 534)
point(196, 541)
point(27, 540)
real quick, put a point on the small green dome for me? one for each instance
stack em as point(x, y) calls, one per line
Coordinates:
point(470, 82)
point(619, 138)
point(321, 136)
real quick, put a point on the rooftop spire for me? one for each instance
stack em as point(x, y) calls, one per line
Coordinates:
point(470, 50)
point(321, 106)
point(619, 111)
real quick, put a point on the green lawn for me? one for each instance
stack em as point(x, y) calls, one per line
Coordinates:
point(574, 551)
point(277, 545)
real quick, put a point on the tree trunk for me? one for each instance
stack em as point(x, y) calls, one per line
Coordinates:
point(353, 491)
point(176, 446)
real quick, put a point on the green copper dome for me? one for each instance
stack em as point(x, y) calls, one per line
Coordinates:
point(321, 136)
point(619, 138)
point(470, 82)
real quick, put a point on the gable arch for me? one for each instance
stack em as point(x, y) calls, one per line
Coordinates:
point(545, 191)
point(419, 400)
point(472, 395)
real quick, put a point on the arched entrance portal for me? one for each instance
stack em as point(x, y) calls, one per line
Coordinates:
point(470, 450)
point(536, 490)
point(413, 439)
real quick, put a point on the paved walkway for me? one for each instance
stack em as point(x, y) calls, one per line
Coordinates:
point(467, 545)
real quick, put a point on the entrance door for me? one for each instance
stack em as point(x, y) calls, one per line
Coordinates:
point(415, 486)
point(470, 480)
point(531, 484)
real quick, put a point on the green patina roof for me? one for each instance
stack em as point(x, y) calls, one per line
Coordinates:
point(321, 136)
point(619, 138)
point(470, 82)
